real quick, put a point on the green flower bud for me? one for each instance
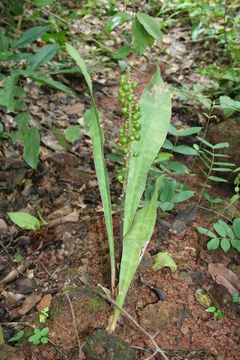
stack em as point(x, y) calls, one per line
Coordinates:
point(124, 110)
point(121, 132)
point(136, 136)
point(134, 85)
point(135, 154)
point(119, 144)
point(125, 88)
point(124, 140)
point(120, 178)
point(130, 98)
point(123, 80)
point(125, 150)
point(137, 126)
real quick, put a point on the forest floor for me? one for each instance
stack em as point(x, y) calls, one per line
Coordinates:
point(71, 252)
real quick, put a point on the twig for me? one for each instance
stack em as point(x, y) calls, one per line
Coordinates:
point(74, 324)
point(215, 212)
point(135, 323)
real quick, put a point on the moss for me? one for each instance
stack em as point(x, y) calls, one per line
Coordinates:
point(57, 310)
point(95, 304)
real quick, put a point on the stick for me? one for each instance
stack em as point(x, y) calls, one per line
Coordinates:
point(75, 325)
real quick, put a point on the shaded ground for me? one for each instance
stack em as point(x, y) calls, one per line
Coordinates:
point(72, 252)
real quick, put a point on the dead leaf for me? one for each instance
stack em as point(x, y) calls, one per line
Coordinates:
point(45, 302)
point(29, 303)
point(72, 217)
point(14, 273)
point(225, 277)
point(74, 109)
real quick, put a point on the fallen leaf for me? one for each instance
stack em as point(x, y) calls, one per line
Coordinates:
point(225, 277)
point(29, 303)
point(74, 109)
point(203, 298)
point(45, 302)
point(162, 260)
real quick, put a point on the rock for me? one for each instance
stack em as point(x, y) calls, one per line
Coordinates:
point(102, 346)
point(227, 131)
point(90, 312)
point(158, 316)
point(24, 285)
point(10, 353)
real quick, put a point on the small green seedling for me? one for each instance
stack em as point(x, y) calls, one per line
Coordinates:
point(39, 336)
point(26, 221)
point(44, 314)
point(18, 338)
point(236, 298)
point(217, 312)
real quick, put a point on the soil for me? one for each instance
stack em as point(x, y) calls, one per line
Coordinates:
point(62, 265)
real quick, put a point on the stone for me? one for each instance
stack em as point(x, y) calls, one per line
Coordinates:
point(104, 346)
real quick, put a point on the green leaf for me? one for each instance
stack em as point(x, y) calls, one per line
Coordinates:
point(234, 198)
point(8, 93)
point(73, 133)
point(191, 131)
point(177, 167)
point(123, 51)
point(205, 142)
point(182, 196)
point(43, 55)
point(30, 36)
point(17, 337)
point(220, 229)
point(185, 150)
point(167, 145)
point(155, 104)
point(141, 38)
point(206, 232)
point(134, 245)
point(59, 136)
point(97, 142)
point(236, 227)
point(41, 3)
point(236, 244)
point(116, 20)
point(227, 228)
point(31, 142)
point(217, 179)
point(225, 244)
point(221, 145)
point(166, 206)
point(172, 130)
point(35, 339)
point(18, 257)
point(162, 260)
point(44, 331)
point(44, 340)
point(42, 79)
point(211, 309)
point(213, 244)
point(24, 220)
point(211, 199)
point(150, 25)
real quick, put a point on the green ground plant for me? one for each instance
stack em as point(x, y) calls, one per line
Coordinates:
point(140, 140)
point(216, 312)
point(224, 235)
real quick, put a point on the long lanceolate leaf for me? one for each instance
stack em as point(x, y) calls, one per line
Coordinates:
point(134, 245)
point(155, 105)
point(97, 141)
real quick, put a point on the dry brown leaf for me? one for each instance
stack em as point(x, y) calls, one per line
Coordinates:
point(225, 277)
point(45, 302)
point(29, 303)
point(74, 109)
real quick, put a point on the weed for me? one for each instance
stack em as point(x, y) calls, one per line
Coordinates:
point(216, 312)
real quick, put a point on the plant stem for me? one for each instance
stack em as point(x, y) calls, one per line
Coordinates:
point(206, 180)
